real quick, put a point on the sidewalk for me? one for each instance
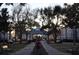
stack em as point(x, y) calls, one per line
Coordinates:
point(26, 51)
point(50, 50)
point(29, 49)
point(39, 51)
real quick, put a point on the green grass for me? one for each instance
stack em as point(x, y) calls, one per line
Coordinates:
point(13, 48)
point(18, 47)
point(64, 47)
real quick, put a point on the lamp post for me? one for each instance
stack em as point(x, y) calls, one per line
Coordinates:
point(15, 30)
point(28, 30)
point(10, 28)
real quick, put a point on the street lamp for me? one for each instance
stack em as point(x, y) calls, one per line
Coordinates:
point(28, 37)
point(28, 29)
point(10, 29)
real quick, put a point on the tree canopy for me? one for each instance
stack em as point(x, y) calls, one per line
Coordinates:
point(3, 20)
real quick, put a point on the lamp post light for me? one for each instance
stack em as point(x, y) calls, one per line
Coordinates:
point(28, 37)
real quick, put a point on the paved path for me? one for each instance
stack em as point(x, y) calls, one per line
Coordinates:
point(50, 50)
point(26, 51)
point(39, 51)
point(44, 50)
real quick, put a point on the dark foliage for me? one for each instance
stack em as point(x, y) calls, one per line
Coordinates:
point(72, 14)
point(3, 20)
point(1, 4)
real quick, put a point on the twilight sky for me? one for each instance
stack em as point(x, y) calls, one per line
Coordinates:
point(38, 3)
point(41, 3)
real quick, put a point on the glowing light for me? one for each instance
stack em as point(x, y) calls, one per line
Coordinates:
point(4, 46)
point(13, 33)
point(34, 27)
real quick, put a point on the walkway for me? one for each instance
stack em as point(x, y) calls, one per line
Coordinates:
point(26, 51)
point(50, 50)
point(44, 50)
point(39, 51)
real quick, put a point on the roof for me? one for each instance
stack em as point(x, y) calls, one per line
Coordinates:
point(38, 31)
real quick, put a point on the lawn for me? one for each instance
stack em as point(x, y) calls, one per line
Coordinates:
point(12, 48)
point(65, 47)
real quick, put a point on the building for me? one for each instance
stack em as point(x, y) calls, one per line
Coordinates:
point(66, 34)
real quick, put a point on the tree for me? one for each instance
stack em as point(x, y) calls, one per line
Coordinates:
point(9, 4)
point(49, 14)
point(19, 19)
point(23, 19)
point(72, 16)
point(46, 15)
point(64, 11)
point(56, 27)
point(1, 4)
point(72, 20)
point(3, 20)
